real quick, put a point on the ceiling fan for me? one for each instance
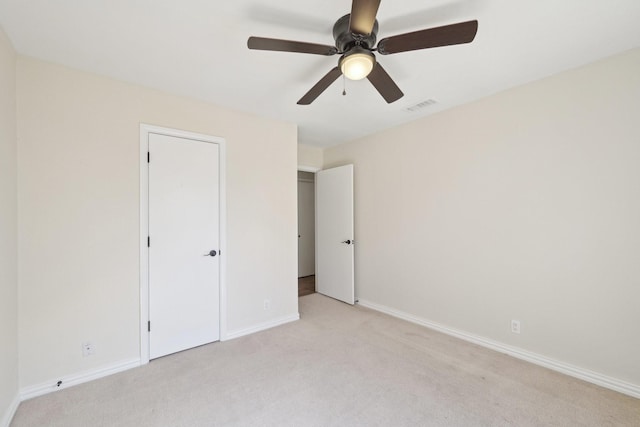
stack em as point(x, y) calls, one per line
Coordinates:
point(355, 38)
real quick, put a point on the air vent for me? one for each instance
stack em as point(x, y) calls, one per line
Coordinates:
point(421, 105)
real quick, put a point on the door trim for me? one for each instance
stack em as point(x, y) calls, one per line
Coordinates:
point(145, 130)
point(308, 169)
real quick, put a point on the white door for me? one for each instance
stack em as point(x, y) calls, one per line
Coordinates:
point(306, 229)
point(184, 299)
point(334, 233)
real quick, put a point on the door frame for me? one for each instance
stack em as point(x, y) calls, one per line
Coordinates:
point(298, 181)
point(145, 130)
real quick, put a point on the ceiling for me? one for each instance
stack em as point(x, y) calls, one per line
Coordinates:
point(198, 48)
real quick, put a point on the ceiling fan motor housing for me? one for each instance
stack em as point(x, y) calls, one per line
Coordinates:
point(346, 40)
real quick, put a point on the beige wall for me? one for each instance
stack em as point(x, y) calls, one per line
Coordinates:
point(8, 232)
point(309, 157)
point(78, 202)
point(524, 205)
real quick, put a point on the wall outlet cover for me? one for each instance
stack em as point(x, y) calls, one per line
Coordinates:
point(88, 349)
point(515, 326)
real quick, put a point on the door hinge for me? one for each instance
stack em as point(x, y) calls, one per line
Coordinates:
point(148, 241)
point(149, 326)
point(148, 157)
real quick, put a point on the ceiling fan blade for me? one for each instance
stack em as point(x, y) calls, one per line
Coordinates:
point(384, 84)
point(261, 43)
point(320, 87)
point(363, 16)
point(463, 32)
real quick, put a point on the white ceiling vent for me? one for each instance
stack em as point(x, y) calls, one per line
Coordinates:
point(421, 105)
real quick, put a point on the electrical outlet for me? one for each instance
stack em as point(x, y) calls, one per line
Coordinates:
point(88, 349)
point(267, 304)
point(515, 326)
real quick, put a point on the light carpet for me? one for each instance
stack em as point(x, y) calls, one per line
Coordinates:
point(337, 366)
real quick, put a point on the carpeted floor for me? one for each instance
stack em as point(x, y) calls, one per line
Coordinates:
point(338, 366)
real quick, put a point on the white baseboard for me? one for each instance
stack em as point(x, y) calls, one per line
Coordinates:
point(537, 359)
point(261, 327)
point(83, 377)
point(75, 379)
point(11, 411)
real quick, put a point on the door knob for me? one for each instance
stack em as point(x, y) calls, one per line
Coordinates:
point(211, 253)
point(349, 242)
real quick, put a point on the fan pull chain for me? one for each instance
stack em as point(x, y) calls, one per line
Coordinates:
point(344, 85)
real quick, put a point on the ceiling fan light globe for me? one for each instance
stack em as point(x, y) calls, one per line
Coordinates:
point(357, 66)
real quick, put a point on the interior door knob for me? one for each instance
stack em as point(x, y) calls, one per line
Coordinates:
point(348, 242)
point(211, 253)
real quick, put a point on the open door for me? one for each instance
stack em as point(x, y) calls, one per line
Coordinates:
point(334, 233)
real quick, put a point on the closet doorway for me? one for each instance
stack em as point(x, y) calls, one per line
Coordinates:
point(306, 233)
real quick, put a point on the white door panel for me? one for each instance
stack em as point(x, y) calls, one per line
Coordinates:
point(334, 233)
point(183, 227)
